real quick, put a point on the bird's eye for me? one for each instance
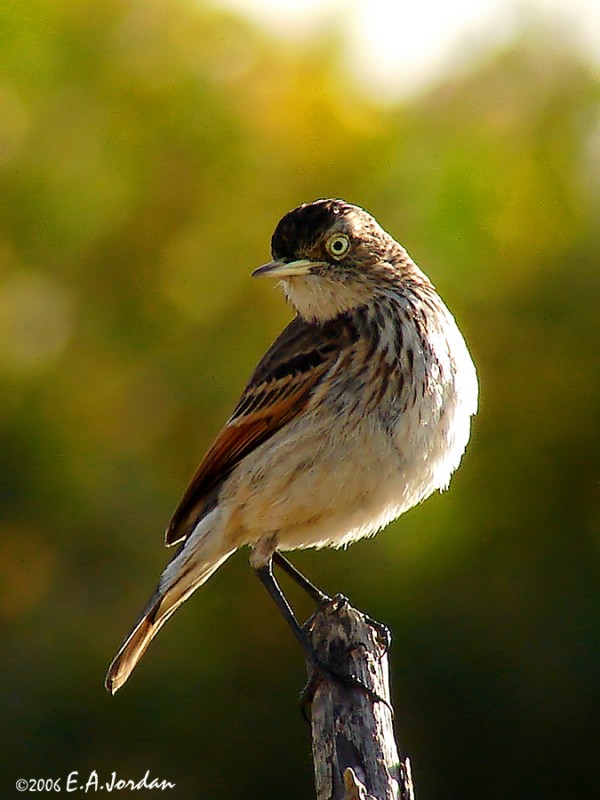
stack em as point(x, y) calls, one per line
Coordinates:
point(338, 245)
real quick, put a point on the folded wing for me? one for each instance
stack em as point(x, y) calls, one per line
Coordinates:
point(278, 391)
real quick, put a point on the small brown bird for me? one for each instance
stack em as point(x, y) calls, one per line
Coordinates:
point(358, 411)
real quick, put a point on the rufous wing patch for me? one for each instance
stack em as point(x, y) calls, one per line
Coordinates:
point(277, 392)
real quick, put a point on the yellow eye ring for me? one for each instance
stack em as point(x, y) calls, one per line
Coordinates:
point(338, 245)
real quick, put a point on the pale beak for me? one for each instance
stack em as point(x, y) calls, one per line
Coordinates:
point(282, 269)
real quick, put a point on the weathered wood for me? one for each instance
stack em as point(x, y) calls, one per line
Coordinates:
point(354, 750)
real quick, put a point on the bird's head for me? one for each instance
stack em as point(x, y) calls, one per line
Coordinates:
point(332, 256)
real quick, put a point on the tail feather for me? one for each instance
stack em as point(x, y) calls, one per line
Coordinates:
point(190, 568)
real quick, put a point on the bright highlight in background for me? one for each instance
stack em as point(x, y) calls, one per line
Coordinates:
point(395, 47)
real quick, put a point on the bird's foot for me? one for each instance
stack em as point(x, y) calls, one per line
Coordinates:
point(384, 633)
point(322, 673)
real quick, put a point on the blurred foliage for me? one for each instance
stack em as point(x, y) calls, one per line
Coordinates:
point(147, 150)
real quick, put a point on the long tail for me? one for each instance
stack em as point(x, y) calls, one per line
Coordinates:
point(202, 554)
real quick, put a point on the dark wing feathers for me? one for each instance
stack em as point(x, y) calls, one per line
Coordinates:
point(278, 390)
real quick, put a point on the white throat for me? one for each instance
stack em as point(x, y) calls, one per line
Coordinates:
point(318, 299)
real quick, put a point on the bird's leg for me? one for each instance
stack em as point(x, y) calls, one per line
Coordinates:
point(320, 597)
point(313, 591)
point(266, 577)
point(317, 668)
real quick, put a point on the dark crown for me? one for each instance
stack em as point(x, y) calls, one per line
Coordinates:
point(304, 225)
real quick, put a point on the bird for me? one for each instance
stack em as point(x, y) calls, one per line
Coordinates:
point(358, 411)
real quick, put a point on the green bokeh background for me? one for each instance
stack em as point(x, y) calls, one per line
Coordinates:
point(147, 150)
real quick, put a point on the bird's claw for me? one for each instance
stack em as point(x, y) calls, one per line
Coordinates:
point(320, 673)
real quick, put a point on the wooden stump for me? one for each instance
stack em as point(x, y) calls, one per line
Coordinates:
point(354, 750)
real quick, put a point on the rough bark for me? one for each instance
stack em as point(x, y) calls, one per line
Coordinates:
point(354, 750)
